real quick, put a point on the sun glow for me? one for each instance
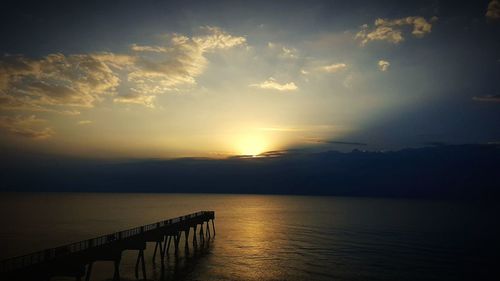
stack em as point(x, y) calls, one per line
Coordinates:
point(252, 146)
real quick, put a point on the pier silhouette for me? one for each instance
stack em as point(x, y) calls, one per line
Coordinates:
point(77, 259)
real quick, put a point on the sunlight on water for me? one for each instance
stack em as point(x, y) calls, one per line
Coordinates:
point(268, 237)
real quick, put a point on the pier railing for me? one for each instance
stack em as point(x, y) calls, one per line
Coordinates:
point(24, 261)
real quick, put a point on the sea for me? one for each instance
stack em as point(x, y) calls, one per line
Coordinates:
point(271, 237)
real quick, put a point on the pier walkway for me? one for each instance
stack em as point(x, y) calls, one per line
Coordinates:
point(76, 259)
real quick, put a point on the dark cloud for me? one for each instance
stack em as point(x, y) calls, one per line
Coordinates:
point(488, 98)
point(493, 11)
point(435, 143)
point(338, 142)
point(436, 172)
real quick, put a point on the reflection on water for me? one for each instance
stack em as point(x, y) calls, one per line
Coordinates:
point(178, 267)
point(174, 267)
point(271, 237)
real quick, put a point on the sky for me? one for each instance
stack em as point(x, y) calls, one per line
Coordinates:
point(167, 79)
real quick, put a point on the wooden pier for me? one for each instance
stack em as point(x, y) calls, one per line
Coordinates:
point(76, 259)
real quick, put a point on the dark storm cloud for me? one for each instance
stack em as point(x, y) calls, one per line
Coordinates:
point(434, 172)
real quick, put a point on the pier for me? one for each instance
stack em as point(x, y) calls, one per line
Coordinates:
point(76, 259)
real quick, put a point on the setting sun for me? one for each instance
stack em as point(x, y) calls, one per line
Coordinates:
point(252, 146)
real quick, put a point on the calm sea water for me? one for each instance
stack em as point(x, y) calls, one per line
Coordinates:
point(272, 237)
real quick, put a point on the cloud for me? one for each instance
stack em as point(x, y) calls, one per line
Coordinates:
point(151, 76)
point(54, 81)
point(66, 84)
point(274, 153)
point(283, 51)
point(390, 30)
point(135, 97)
point(336, 67)
point(179, 64)
point(488, 98)
point(436, 143)
point(316, 140)
point(216, 39)
point(116, 61)
point(154, 49)
point(272, 84)
point(26, 126)
point(85, 122)
point(383, 65)
point(493, 11)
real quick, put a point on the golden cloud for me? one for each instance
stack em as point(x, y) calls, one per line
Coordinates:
point(272, 84)
point(390, 30)
point(55, 82)
point(383, 65)
point(26, 126)
point(180, 63)
point(336, 67)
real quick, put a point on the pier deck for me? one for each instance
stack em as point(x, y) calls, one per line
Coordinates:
point(76, 259)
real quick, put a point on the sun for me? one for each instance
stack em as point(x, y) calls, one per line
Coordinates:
point(252, 146)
